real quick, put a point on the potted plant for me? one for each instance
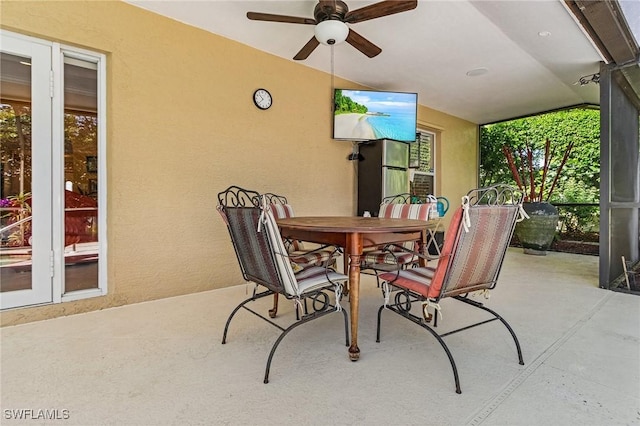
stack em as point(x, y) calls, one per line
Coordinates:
point(531, 171)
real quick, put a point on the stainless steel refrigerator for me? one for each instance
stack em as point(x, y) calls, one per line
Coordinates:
point(382, 172)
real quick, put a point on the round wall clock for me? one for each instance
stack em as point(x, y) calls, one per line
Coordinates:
point(262, 98)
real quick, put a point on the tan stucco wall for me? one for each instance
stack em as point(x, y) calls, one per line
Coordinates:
point(182, 127)
point(457, 157)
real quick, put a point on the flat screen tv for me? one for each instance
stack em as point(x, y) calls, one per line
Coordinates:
point(362, 115)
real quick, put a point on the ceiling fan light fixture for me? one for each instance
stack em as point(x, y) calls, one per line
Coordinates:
point(331, 32)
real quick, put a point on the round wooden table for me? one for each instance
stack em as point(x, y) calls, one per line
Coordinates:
point(353, 234)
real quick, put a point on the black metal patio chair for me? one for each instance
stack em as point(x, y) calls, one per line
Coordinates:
point(474, 249)
point(324, 256)
point(264, 260)
point(394, 256)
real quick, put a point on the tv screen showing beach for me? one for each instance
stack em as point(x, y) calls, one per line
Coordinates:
point(369, 115)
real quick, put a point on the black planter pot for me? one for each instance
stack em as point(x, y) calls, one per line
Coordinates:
point(536, 233)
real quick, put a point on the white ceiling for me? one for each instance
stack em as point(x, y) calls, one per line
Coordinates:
point(430, 49)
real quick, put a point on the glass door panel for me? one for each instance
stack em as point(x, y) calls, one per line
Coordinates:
point(80, 174)
point(25, 170)
point(15, 193)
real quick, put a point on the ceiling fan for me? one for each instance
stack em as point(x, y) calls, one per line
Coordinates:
point(331, 18)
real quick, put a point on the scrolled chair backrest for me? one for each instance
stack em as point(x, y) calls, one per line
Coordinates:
point(234, 196)
point(477, 241)
point(275, 198)
point(403, 198)
point(252, 229)
point(499, 194)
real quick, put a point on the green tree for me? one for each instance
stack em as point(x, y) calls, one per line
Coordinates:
point(580, 177)
point(344, 104)
point(80, 134)
point(15, 148)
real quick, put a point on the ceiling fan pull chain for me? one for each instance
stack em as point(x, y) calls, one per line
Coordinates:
point(332, 70)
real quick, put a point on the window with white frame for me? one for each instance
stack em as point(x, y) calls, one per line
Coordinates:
point(422, 155)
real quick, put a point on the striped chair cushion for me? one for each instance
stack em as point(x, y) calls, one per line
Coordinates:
point(283, 264)
point(281, 211)
point(426, 281)
point(400, 211)
point(253, 249)
point(316, 277)
point(317, 258)
point(417, 280)
point(305, 280)
point(383, 256)
point(300, 255)
point(470, 260)
point(284, 211)
point(479, 252)
point(407, 211)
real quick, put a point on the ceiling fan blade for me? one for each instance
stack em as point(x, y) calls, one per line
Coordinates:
point(380, 9)
point(307, 49)
point(362, 44)
point(257, 16)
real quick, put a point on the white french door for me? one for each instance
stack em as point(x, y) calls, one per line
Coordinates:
point(52, 172)
point(26, 95)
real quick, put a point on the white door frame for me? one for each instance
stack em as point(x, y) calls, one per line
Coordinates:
point(41, 100)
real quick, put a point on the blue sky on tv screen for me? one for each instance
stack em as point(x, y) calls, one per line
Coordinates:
point(389, 102)
point(391, 115)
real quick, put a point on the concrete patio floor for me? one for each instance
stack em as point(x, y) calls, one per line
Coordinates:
point(161, 362)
